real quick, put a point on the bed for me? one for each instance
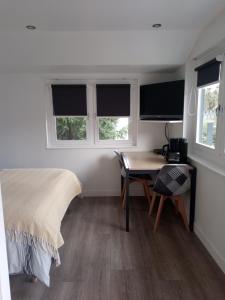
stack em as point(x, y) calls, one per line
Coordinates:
point(34, 204)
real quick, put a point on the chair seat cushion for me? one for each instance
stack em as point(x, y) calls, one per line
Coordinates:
point(172, 181)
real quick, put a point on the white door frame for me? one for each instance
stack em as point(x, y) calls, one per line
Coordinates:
point(4, 274)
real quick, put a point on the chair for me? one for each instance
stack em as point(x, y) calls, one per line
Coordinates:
point(144, 180)
point(171, 182)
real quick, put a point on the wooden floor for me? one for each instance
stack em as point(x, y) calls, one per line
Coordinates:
point(102, 261)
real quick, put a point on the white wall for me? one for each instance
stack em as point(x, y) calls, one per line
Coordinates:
point(210, 204)
point(23, 135)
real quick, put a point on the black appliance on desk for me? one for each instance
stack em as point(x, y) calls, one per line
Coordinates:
point(176, 151)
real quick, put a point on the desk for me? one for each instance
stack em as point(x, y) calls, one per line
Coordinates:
point(143, 163)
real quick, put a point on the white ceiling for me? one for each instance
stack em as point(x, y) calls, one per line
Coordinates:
point(108, 15)
point(101, 35)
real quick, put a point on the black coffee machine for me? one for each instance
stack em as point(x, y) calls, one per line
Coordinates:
point(176, 150)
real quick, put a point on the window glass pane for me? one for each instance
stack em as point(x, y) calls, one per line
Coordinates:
point(113, 128)
point(207, 114)
point(71, 128)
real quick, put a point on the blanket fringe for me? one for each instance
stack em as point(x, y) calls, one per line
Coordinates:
point(34, 241)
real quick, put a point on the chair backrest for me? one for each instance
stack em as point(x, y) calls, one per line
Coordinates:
point(123, 173)
point(119, 158)
point(172, 180)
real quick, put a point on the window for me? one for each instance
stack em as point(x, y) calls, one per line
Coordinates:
point(210, 131)
point(92, 115)
point(70, 111)
point(208, 107)
point(113, 112)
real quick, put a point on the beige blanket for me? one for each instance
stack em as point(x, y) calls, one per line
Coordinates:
point(35, 201)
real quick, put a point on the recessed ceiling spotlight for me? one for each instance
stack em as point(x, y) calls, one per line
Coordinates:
point(30, 27)
point(157, 25)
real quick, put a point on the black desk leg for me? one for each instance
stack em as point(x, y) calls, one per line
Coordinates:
point(192, 200)
point(127, 202)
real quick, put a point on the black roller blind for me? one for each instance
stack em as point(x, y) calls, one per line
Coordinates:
point(113, 100)
point(208, 72)
point(69, 100)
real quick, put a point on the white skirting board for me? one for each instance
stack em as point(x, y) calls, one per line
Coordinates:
point(210, 247)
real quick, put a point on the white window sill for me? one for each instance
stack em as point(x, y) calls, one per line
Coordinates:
point(91, 146)
point(209, 165)
point(204, 146)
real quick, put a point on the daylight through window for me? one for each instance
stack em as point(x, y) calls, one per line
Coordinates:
point(208, 84)
point(207, 115)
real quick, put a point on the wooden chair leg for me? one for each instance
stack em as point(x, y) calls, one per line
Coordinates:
point(152, 203)
point(144, 188)
point(176, 203)
point(147, 192)
point(182, 211)
point(162, 200)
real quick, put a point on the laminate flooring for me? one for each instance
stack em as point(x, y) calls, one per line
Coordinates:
point(101, 261)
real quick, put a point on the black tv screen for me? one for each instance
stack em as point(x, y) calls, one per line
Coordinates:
point(162, 101)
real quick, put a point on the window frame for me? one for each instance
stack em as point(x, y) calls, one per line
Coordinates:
point(221, 119)
point(92, 140)
point(132, 121)
point(198, 115)
point(214, 155)
point(51, 134)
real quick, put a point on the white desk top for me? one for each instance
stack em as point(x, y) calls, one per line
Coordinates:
point(143, 161)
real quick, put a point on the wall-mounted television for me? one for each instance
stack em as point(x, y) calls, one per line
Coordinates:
point(162, 101)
